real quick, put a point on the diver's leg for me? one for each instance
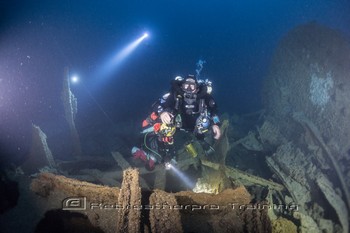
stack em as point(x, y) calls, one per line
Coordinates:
point(148, 151)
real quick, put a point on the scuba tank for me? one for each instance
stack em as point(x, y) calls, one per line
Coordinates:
point(191, 150)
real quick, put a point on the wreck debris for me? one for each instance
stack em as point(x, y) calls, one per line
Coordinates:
point(269, 134)
point(306, 96)
point(308, 224)
point(282, 225)
point(55, 191)
point(212, 181)
point(165, 218)
point(204, 186)
point(160, 179)
point(168, 212)
point(251, 143)
point(307, 124)
point(129, 219)
point(297, 188)
point(70, 108)
point(299, 175)
point(46, 183)
point(335, 200)
point(40, 153)
point(229, 211)
point(269, 199)
point(244, 177)
point(120, 160)
point(260, 220)
point(310, 73)
point(238, 196)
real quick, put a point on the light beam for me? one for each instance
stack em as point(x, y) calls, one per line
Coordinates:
point(182, 176)
point(119, 57)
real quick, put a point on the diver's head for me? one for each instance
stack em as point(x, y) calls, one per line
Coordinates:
point(190, 84)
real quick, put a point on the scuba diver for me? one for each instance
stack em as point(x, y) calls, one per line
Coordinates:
point(188, 106)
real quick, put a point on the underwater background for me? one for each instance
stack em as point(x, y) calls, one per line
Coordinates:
point(78, 77)
point(39, 38)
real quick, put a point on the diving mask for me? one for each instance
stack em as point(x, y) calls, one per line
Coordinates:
point(189, 85)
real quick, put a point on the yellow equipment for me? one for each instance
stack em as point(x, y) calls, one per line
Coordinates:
point(191, 150)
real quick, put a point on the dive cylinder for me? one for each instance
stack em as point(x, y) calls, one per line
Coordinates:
point(191, 150)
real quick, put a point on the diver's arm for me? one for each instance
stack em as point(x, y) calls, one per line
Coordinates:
point(166, 108)
point(213, 110)
point(215, 120)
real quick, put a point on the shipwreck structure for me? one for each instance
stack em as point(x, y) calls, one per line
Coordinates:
point(126, 209)
point(135, 200)
point(306, 97)
point(70, 105)
point(300, 141)
point(40, 155)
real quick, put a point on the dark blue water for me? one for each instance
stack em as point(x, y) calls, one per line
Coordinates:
point(39, 38)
